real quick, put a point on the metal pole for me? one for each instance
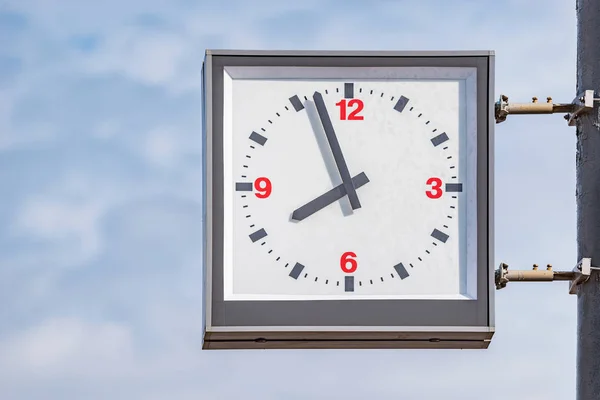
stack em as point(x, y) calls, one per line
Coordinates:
point(588, 202)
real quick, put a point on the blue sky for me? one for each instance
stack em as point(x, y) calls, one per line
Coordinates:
point(100, 170)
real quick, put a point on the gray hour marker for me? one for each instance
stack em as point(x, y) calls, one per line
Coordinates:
point(296, 103)
point(439, 235)
point(259, 234)
point(439, 139)
point(348, 90)
point(453, 187)
point(295, 273)
point(247, 186)
point(401, 103)
point(349, 284)
point(258, 138)
point(402, 272)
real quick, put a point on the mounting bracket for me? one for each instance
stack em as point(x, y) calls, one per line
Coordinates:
point(581, 104)
point(580, 274)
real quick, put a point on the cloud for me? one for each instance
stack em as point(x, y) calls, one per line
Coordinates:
point(149, 57)
point(100, 221)
point(62, 346)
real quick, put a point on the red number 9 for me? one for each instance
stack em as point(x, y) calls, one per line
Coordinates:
point(263, 187)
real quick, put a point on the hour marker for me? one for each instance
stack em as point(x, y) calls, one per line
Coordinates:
point(349, 284)
point(258, 138)
point(401, 103)
point(348, 90)
point(439, 235)
point(296, 103)
point(247, 187)
point(295, 272)
point(439, 139)
point(453, 187)
point(402, 272)
point(259, 234)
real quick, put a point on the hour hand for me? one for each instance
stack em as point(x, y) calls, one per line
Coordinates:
point(327, 198)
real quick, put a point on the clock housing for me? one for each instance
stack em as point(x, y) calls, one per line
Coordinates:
point(412, 267)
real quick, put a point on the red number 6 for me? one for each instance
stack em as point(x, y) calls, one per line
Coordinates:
point(347, 258)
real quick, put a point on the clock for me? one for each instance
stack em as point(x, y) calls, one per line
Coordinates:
point(347, 190)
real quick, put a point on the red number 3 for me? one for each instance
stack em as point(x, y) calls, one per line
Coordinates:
point(436, 186)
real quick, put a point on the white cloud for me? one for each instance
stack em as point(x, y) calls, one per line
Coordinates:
point(149, 57)
point(57, 221)
point(68, 346)
point(155, 354)
point(162, 146)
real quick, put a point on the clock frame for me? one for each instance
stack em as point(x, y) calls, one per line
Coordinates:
point(344, 323)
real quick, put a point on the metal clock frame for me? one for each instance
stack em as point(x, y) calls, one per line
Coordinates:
point(344, 323)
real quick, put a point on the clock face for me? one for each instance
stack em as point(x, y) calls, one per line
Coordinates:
point(348, 188)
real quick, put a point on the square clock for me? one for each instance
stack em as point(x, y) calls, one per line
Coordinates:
point(348, 199)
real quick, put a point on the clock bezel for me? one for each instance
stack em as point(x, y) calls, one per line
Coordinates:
point(329, 320)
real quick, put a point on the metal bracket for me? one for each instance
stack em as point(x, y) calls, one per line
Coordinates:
point(579, 274)
point(582, 104)
point(582, 272)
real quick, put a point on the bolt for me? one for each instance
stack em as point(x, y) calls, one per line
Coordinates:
point(549, 267)
point(535, 267)
point(549, 99)
point(504, 98)
point(534, 99)
point(567, 116)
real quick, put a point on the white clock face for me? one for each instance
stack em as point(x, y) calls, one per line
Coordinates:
point(348, 188)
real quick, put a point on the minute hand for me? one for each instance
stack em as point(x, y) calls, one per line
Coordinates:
point(336, 150)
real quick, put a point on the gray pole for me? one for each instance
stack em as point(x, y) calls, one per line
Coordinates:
point(588, 202)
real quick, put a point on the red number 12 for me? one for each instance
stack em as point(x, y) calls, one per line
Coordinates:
point(354, 114)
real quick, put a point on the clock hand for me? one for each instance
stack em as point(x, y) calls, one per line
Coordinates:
point(336, 150)
point(327, 198)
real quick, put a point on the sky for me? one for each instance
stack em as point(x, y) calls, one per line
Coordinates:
point(100, 200)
